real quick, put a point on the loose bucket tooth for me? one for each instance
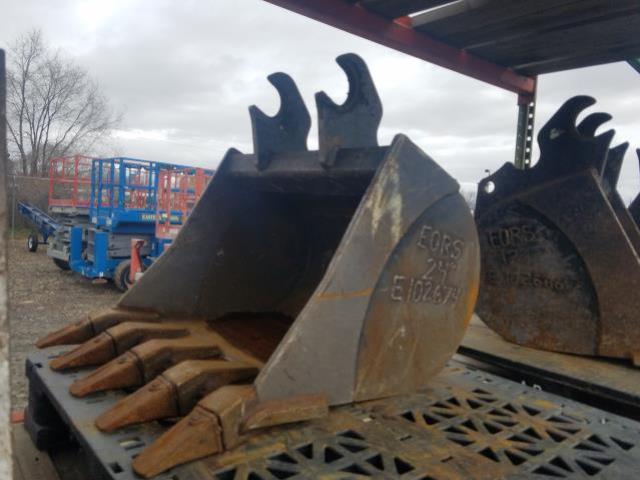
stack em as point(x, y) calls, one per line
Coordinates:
point(175, 392)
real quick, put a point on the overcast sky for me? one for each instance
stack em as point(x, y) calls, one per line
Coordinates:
point(184, 72)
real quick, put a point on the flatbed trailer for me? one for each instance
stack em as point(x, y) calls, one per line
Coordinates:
point(479, 419)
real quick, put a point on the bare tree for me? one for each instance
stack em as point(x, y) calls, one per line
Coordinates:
point(54, 107)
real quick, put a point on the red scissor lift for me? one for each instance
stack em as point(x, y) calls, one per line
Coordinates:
point(69, 196)
point(178, 191)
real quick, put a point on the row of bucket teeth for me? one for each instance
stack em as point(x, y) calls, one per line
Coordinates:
point(182, 369)
point(551, 238)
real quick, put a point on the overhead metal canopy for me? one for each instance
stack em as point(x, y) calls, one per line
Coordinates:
point(502, 42)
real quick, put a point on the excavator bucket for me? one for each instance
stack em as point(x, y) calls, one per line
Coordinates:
point(301, 280)
point(560, 264)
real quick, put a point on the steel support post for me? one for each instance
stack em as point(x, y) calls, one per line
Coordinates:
point(524, 132)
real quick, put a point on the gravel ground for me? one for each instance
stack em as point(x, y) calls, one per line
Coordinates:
point(43, 298)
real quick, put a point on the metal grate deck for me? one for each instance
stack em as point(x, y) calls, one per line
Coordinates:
point(468, 424)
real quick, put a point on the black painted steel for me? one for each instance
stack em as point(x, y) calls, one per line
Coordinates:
point(467, 424)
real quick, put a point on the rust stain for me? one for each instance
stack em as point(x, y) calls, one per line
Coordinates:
point(344, 295)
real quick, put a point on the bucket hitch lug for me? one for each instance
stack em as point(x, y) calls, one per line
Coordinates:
point(287, 130)
point(354, 123)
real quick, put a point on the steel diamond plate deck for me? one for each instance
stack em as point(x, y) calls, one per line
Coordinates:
point(467, 424)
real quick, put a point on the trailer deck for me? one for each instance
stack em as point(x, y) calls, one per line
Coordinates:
point(469, 423)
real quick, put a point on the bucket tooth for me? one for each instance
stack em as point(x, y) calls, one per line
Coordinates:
point(96, 351)
point(551, 237)
point(212, 427)
point(150, 358)
point(197, 435)
point(193, 379)
point(122, 372)
point(158, 355)
point(287, 130)
point(97, 322)
point(129, 334)
point(228, 413)
point(354, 123)
point(71, 334)
point(175, 392)
point(114, 341)
point(155, 400)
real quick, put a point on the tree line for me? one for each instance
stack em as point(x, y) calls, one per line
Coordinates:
point(54, 106)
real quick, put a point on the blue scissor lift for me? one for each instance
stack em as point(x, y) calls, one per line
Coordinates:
point(122, 207)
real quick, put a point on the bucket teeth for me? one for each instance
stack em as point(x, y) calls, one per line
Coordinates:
point(221, 421)
point(211, 427)
point(75, 333)
point(114, 341)
point(155, 400)
point(287, 130)
point(96, 351)
point(354, 123)
point(195, 436)
point(121, 372)
point(175, 392)
point(98, 322)
point(150, 359)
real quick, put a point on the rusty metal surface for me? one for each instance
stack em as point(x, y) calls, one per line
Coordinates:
point(551, 239)
point(327, 272)
point(467, 424)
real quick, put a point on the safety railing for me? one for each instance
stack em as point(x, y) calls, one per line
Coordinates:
point(70, 182)
point(178, 191)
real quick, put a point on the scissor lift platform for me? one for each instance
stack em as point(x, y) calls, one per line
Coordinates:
point(468, 424)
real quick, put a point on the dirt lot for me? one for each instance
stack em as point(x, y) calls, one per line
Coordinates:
point(42, 298)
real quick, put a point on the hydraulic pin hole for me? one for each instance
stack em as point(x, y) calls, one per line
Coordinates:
point(489, 187)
